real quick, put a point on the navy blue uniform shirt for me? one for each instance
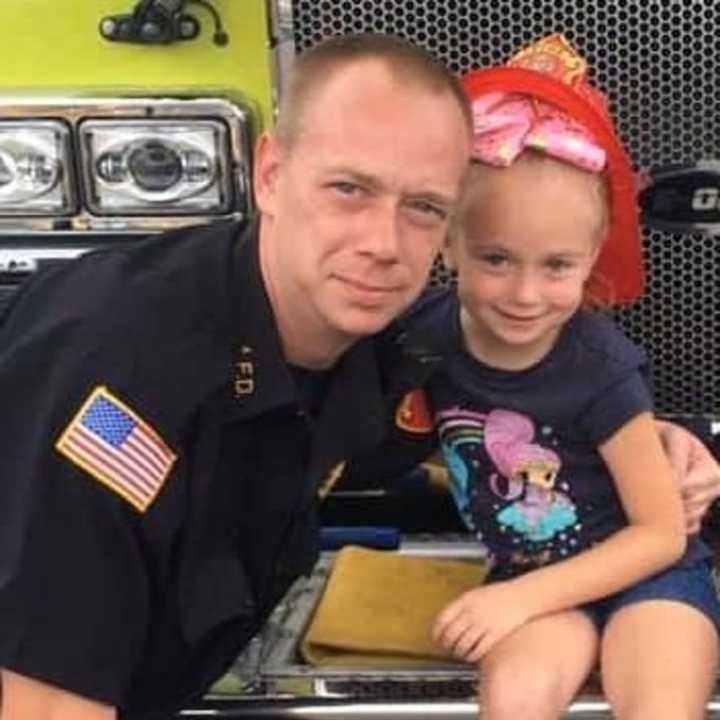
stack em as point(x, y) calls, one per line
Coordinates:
point(159, 470)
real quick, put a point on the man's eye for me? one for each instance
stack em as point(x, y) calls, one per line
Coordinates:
point(428, 209)
point(345, 188)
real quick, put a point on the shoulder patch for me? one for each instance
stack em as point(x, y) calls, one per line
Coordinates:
point(412, 413)
point(118, 448)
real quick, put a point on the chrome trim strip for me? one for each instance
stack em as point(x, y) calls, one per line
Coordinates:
point(581, 709)
point(21, 260)
point(282, 34)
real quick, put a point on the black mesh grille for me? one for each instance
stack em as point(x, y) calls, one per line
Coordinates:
point(658, 62)
point(417, 688)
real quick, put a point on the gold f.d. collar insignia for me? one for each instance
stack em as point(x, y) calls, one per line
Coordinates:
point(244, 373)
point(330, 480)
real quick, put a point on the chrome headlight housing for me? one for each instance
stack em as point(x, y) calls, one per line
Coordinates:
point(156, 167)
point(36, 175)
point(122, 165)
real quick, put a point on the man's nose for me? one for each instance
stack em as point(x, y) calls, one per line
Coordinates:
point(381, 238)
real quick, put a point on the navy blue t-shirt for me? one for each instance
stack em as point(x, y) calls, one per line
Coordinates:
point(521, 446)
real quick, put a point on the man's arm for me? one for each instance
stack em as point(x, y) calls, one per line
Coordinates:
point(696, 470)
point(67, 541)
point(24, 698)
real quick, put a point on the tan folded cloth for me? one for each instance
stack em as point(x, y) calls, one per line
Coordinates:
point(378, 608)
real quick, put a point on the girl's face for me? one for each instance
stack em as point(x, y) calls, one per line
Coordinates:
point(529, 239)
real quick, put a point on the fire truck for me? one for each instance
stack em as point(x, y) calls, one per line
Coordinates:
point(123, 118)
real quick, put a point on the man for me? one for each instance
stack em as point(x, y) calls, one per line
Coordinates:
point(159, 464)
point(175, 404)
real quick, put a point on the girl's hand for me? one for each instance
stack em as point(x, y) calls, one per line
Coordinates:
point(471, 625)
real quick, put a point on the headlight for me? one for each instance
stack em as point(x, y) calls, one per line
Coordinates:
point(118, 166)
point(35, 168)
point(156, 167)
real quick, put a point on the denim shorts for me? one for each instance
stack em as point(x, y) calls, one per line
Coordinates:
point(690, 584)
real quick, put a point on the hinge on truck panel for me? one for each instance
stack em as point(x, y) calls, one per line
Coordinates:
point(154, 22)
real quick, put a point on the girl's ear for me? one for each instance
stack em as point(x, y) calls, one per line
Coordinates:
point(593, 279)
point(595, 255)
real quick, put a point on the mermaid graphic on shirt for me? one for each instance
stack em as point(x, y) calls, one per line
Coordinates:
point(523, 473)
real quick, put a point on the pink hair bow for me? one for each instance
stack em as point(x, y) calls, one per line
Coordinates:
point(507, 123)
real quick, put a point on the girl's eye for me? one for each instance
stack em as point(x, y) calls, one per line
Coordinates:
point(493, 259)
point(559, 265)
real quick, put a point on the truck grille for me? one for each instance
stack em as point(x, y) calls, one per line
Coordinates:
point(414, 689)
point(658, 62)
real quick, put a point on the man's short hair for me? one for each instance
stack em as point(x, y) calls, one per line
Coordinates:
point(406, 62)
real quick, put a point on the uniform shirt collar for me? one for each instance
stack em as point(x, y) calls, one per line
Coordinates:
point(432, 325)
point(261, 379)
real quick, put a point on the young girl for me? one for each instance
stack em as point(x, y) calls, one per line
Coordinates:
point(545, 419)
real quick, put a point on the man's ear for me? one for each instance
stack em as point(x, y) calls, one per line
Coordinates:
point(266, 166)
point(448, 253)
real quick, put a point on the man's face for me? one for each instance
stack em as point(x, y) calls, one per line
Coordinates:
point(354, 213)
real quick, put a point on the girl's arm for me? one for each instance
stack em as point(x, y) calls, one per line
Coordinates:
point(653, 539)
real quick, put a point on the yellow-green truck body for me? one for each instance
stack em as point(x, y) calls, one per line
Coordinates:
point(55, 48)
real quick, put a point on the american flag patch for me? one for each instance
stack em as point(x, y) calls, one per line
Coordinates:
point(118, 448)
